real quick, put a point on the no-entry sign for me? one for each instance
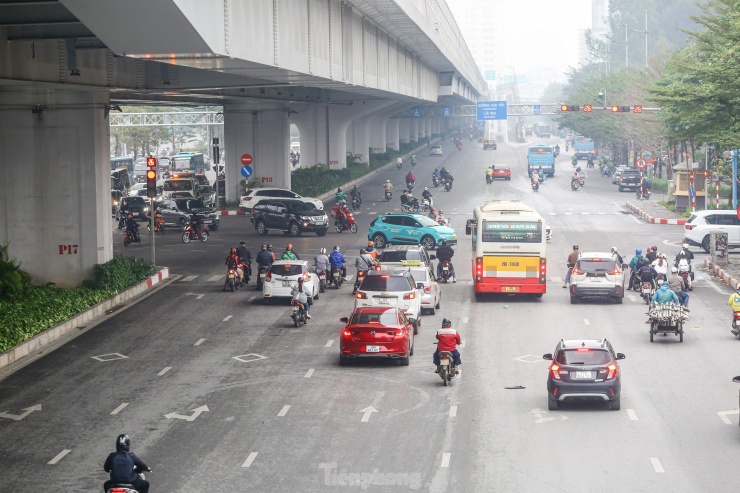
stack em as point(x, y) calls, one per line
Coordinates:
point(246, 159)
point(641, 163)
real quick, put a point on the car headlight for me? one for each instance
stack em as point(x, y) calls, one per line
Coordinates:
point(115, 202)
point(146, 209)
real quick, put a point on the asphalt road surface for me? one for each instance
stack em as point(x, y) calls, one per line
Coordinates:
point(219, 392)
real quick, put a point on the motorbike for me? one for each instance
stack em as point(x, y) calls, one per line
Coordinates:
point(448, 185)
point(124, 488)
point(322, 280)
point(489, 179)
point(299, 314)
point(647, 291)
point(262, 271)
point(410, 185)
point(446, 271)
point(447, 370)
point(443, 221)
point(590, 163)
point(336, 277)
point(535, 186)
point(388, 195)
point(574, 161)
point(158, 225)
point(128, 238)
point(557, 152)
point(459, 146)
point(232, 280)
point(435, 181)
point(582, 180)
point(413, 160)
point(399, 164)
point(736, 324)
point(188, 234)
point(645, 195)
point(360, 277)
point(356, 202)
point(575, 185)
point(349, 222)
point(684, 270)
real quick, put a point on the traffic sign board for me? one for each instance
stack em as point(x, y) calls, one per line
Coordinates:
point(536, 109)
point(246, 159)
point(641, 163)
point(247, 171)
point(587, 108)
point(492, 110)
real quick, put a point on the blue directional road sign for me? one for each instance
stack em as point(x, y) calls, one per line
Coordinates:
point(536, 109)
point(446, 111)
point(247, 171)
point(492, 110)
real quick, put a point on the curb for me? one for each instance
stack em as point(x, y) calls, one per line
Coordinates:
point(723, 275)
point(43, 339)
point(647, 217)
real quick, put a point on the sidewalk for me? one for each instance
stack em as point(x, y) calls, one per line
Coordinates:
point(652, 212)
point(728, 274)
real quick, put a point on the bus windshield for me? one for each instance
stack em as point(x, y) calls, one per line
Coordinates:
point(178, 186)
point(511, 232)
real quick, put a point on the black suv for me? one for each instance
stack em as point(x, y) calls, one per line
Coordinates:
point(289, 216)
point(134, 205)
point(629, 180)
point(584, 369)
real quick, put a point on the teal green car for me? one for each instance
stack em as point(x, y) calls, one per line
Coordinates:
point(409, 229)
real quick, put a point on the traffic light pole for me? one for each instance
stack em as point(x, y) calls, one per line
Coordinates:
point(151, 225)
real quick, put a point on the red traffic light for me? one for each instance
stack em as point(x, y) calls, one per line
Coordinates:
point(151, 162)
point(620, 109)
point(570, 107)
point(587, 108)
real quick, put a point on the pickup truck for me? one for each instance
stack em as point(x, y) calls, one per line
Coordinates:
point(629, 180)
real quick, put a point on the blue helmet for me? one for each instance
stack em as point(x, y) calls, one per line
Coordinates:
point(638, 251)
point(363, 251)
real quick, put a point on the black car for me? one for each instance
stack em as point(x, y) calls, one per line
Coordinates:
point(489, 144)
point(289, 216)
point(584, 369)
point(209, 216)
point(629, 180)
point(134, 205)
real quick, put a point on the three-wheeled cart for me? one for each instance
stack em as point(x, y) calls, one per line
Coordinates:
point(667, 318)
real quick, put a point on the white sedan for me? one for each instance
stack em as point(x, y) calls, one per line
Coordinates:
point(283, 276)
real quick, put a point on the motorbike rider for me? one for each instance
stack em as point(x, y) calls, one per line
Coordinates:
point(388, 186)
point(264, 259)
point(665, 295)
point(575, 179)
point(356, 194)
point(410, 180)
point(413, 160)
point(683, 262)
point(652, 254)
point(365, 261)
point(661, 266)
point(535, 179)
point(684, 253)
point(321, 262)
point(448, 339)
point(542, 174)
point(404, 198)
point(269, 249)
point(645, 186)
point(489, 173)
point(617, 257)
point(303, 295)
point(571, 262)
point(441, 219)
point(245, 257)
point(336, 259)
point(446, 175)
point(557, 149)
point(340, 196)
point(195, 223)
point(734, 303)
point(232, 263)
point(445, 254)
point(289, 254)
point(427, 195)
point(399, 161)
point(574, 160)
point(371, 250)
point(343, 214)
point(133, 228)
point(647, 273)
point(124, 466)
point(437, 174)
point(636, 264)
point(675, 282)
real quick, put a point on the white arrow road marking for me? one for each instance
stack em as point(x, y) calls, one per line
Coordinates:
point(328, 344)
point(538, 416)
point(631, 414)
point(445, 460)
point(228, 318)
point(723, 415)
point(197, 296)
point(453, 411)
point(250, 459)
point(308, 373)
point(246, 358)
point(18, 417)
point(586, 322)
point(59, 456)
point(199, 342)
point(656, 465)
point(215, 278)
point(189, 278)
point(119, 409)
point(348, 278)
point(367, 412)
point(164, 370)
point(196, 412)
point(283, 411)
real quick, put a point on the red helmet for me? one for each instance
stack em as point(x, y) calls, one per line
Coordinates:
point(289, 246)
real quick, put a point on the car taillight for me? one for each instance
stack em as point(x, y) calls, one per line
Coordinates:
point(555, 371)
point(479, 269)
point(543, 270)
point(689, 226)
point(306, 276)
point(346, 333)
point(614, 272)
point(577, 271)
point(409, 296)
point(268, 277)
point(361, 296)
point(612, 371)
point(427, 289)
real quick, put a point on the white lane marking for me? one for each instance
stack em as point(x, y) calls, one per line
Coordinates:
point(630, 297)
point(199, 342)
point(465, 320)
point(656, 465)
point(631, 414)
point(284, 411)
point(228, 318)
point(568, 213)
point(445, 460)
point(197, 296)
point(372, 212)
point(328, 344)
point(585, 213)
point(215, 278)
point(715, 286)
point(602, 213)
point(634, 218)
point(308, 373)
point(59, 456)
point(164, 370)
point(551, 213)
point(453, 411)
point(250, 459)
point(188, 279)
point(586, 322)
point(348, 278)
point(724, 418)
point(119, 409)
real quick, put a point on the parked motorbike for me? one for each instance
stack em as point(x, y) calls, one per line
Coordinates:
point(645, 195)
point(356, 203)
point(446, 271)
point(322, 280)
point(128, 238)
point(299, 314)
point(447, 370)
point(388, 195)
point(188, 234)
point(336, 277)
point(435, 181)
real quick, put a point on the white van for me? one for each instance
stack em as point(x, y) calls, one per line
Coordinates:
point(700, 224)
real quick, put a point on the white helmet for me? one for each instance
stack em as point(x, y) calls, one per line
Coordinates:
point(322, 251)
point(674, 269)
point(685, 245)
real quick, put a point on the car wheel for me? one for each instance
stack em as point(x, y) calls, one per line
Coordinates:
point(705, 243)
point(267, 301)
point(428, 242)
point(411, 349)
point(321, 232)
point(404, 361)
point(573, 300)
point(182, 222)
point(379, 240)
point(432, 311)
point(552, 405)
point(343, 360)
point(621, 189)
point(615, 405)
point(294, 229)
point(618, 300)
point(261, 228)
point(416, 327)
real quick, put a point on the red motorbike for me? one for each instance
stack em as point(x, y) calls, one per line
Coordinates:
point(128, 238)
point(188, 234)
point(459, 146)
point(343, 220)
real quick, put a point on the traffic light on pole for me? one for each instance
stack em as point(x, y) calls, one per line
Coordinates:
point(637, 108)
point(621, 109)
point(570, 107)
point(587, 108)
point(151, 177)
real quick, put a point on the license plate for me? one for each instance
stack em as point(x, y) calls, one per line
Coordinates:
point(444, 362)
point(320, 223)
point(231, 276)
point(510, 289)
point(581, 375)
point(445, 269)
point(372, 349)
point(262, 276)
point(596, 279)
point(384, 301)
point(286, 284)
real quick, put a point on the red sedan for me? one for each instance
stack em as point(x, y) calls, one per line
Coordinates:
point(377, 331)
point(504, 173)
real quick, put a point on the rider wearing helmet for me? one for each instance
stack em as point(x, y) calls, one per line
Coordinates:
point(445, 254)
point(734, 303)
point(448, 339)
point(264, 260)
point(336, 259)
point(675, 282)
point(371, 250)
point(637, 262)
point(617, 257)
point(571, 262)
point(232, 263)
point(683, 263)
point(365, 261)
point(124, 466)
point(652, 254)
point(321, 261)
point(289, 254)
point(133, 228)
point(340, 196)
point(303, 295)
point(388, 186)
point(427, 195)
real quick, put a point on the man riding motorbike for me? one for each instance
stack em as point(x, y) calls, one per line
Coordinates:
point(535, 179)
point(245, 257)
point(661, 266)
point(399, 161)
point(448, 339)
point(303, 295)
point(340, 196)
point(571, 262)
point(371, 250)
point(321, 262)
point(289, 254)
point(557, 149)
point(232, 263)
point(427, 195)
point(665, 295)
point(542, 174)
point(436, 177)
point(683, 263)
point(647, 273)
point(410, 180)
point(413, 160)
point(489, 174)
point(675, 282)
point(734, 303)
point(574, 160)
point(195, 223)
point(356, 194)
point(264, 260)
point(342, 214)
point(636, 264)
point(445, 254)
point(133, 228)
point(336, 259)
point(124, 466)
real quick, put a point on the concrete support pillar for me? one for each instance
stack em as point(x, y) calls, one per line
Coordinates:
point(358, 139)
point(339, 119)
point(312, 125)
point(404, 130)
point(414, 130)
point(392, 133)
point(428, 127)
point(265, 135)
point(55, 189)
point(378, 128)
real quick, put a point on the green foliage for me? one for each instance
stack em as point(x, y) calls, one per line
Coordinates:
point(120, 273)
point(15, 284)
point(312, 182)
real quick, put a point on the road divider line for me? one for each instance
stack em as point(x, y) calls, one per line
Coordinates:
point(250, 459)
point(199, 342)
point(656, 465)
point(328, 344)
point(119, 409)
point(308, 373)
point(59, 456)
point(453, 411)
point(283, 411)
point(631, 414)
point(227, 318)
point(465, 320)
point(715, 287)
point(164, 370)
point(586, 322)
point(445, 460)
point(188, 279)
point(215, 278)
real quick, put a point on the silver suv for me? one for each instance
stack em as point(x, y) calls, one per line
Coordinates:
point(597, 275)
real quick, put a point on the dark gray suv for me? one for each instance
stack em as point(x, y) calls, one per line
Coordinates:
point(293, 217)
point(584, 369)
